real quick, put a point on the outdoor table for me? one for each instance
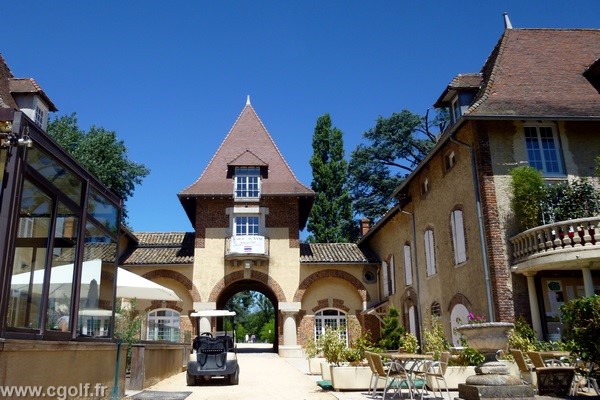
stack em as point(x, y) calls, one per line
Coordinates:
point(412, 363)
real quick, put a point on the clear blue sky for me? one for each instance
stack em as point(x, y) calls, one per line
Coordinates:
point(171, 77)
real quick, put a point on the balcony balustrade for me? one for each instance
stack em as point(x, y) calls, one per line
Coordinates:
point(576, 235)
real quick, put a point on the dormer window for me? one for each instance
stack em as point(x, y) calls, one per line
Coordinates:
point(456, 110)
point(247, 182)
point(39, 116)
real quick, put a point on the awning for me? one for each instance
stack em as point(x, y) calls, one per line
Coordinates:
point(129, 285)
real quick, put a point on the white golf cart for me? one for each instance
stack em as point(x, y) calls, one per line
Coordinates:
point(215, 353)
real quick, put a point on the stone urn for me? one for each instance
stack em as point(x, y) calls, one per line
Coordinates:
point(488, 338)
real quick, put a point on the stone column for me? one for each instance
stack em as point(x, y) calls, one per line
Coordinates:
point(290, 346)
point(536, 320)
point(588, 283)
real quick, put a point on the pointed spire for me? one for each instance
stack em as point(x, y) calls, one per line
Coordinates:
point(248, 100)
point(507, 24)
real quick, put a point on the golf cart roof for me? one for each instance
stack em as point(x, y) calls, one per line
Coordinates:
point(213, 313)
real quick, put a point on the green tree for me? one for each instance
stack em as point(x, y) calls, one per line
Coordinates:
point(101, 153)
point(395, 146)
point(267, 332)
point(330, 220)
point(392, 331)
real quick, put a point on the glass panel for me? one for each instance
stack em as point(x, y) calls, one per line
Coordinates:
point(56, 173)
point(103, 210)
point(533, 148)
point(550, 151)
point(246, 226)
point(97, 283)
point(61, 274)
point(30, 258)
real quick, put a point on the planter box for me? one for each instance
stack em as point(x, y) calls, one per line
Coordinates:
point(325, 371)
point(352, 378)
point(314, 365)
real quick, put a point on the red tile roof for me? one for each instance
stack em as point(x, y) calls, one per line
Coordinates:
point(539, 73)
point(249, 139)
point(335, 253)
point(155, 248)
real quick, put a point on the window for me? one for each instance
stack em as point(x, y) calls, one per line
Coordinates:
point(389, 277)
point(407, 265)
point(163, 325)
point(39, 116)
point(425, 186)
point(333, 319)
point(456, 110)
point(450, 160)
point(543, 149)
point(429, 252)
point(458, 237)
point(247, 182)
point(246, 225)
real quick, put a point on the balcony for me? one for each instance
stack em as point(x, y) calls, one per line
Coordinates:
point(563, 245)
point(252, 247)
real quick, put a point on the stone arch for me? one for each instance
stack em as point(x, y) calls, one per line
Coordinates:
point(332, 273)
point(176, 276)
point(459, 298)
point(240, 275)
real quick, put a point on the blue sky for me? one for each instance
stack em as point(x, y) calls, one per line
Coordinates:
point(171, 77)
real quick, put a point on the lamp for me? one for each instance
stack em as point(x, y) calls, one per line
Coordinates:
point(248, 264)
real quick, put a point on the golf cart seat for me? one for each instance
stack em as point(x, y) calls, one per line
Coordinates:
point(212, 351)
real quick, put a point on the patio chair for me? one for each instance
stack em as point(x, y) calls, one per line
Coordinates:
point(526, 371)
point(536, 359)
point(395, 375)
point(436, 371)
point(375, 377)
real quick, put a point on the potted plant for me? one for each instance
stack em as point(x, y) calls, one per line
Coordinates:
point(347, 368)
point(315, 357)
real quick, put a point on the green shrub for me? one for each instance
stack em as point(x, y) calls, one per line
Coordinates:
point(570, 200)
point(435, 339)
point(528, 193)
point(582, 327)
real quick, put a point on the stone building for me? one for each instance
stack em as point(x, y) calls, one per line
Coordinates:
point(453, 240)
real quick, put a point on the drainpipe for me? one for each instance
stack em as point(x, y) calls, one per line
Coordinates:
point(486, 271)
point(415, 272)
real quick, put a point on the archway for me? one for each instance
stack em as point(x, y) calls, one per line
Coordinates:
point(254, 286)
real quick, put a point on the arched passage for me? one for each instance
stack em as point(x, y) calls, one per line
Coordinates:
point(256, 281)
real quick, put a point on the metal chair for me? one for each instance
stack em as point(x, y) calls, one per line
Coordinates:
point(375, 377)
point(395, 375)
point(436, 371)
point(526, 371)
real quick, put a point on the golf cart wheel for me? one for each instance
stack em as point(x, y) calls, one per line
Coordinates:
point(234, 378)
point(190, 379)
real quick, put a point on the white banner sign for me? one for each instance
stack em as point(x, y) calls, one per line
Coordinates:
point(248, 244)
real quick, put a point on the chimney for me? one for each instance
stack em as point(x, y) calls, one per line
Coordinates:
point(507, 24)
point(365, 225)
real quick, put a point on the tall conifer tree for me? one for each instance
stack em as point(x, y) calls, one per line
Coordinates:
point(330, 220)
